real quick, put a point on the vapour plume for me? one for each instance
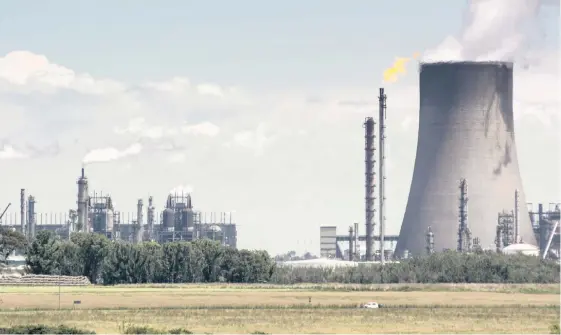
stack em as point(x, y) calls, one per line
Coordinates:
point(493, 30)
point(391, 74)
point(111, 154)
point(8, 152)
point(182, 189)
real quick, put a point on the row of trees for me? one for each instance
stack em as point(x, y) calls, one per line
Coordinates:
point(109, 262)
point(446, 267)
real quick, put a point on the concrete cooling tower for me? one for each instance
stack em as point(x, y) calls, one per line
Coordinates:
point(466, 131)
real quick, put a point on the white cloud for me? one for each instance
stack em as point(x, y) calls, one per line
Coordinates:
point(8, 152)
point(210, 89)
point(36, 72)
point(110, 154)
point(181, 189)
point(204, 128)
point(177, 157)
point(255, 140)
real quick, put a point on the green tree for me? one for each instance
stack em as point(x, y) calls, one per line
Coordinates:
point(93, 248)
point(41, 254)
point(212, 253)
point(9, 242)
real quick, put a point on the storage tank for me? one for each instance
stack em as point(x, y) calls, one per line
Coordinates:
point(108, 214)
point(168, 218)
point(466, 131)
point(103, 221)
point(186, 219)
point(521, 248)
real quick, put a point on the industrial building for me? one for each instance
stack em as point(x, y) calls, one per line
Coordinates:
point(96, 212)
point(466, 136)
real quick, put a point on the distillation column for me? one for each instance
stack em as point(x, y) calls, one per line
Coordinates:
point(31, 218)
point(382, 176)
point(22, 211)
point(516, 218)
point(82, 211)
point(150, 219)
point(370, 198)
point(139, 222)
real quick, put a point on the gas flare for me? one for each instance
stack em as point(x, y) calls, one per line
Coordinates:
point(391, 74)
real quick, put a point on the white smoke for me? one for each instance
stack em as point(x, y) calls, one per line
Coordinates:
point(8, 152)
point(493, 30)
point(182, 189)
point(111, 154)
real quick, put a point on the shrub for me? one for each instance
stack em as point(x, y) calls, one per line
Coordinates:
point(43, 329)
point(150, 330)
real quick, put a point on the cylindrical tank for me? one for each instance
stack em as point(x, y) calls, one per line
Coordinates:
point(186, 219)
point(466, 131)
point(108, 217)
point(168, 217)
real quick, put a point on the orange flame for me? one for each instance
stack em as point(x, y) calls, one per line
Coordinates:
point(391, 74)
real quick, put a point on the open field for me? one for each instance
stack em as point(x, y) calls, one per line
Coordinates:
point(223, 308)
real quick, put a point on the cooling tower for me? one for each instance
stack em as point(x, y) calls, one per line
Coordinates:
point(466, 131)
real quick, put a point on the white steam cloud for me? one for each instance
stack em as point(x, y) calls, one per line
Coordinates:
point(182, 189)
point(111, 154)
point(8, 152)
point(493, 30)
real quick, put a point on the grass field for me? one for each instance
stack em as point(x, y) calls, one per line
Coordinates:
point(282, 309)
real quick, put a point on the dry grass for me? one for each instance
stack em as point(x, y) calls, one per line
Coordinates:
point(418, 320)
point(281, 309)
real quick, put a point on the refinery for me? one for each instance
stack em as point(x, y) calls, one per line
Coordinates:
point(95, 212)
point(466, 137)
point(466, 193)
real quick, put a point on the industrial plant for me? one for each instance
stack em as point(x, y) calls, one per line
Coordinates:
point(466, 136)
point(95, 212)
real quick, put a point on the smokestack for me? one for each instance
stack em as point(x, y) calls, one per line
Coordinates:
point(430, 241)
point(370, 198)
point(463, 228)
point(543, 228)
point(516, 217)
point(382, 166)
point(150, 218)
point(351, 240)
point(82, 211)
point(22, 211)
point(355, 251)
point(466, 129)
point(139, 221)
point(31, 217)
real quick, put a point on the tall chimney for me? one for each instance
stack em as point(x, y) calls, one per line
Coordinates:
point(22, 211)
point(31, 217)
point(370, 198)
point(516, 218)
point(150, 218)
point(82, 202)
point(382, 174)
point(139, 221)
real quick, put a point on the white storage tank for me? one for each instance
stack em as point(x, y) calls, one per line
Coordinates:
point(523, 248)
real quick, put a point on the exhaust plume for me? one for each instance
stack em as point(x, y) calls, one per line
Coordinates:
point(8, 152)
point(182, 189)
point(391, 74)
point(493, 30)
point(111, 154)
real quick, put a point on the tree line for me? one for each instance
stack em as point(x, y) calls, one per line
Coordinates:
point(445, 267)
point(116, 262)
point(109, 262)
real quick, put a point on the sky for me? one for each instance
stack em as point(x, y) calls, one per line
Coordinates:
point(255, 107)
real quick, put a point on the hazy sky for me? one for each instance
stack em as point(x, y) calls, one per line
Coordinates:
point(257, 106)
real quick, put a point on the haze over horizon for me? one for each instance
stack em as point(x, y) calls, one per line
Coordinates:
point(254, 108)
